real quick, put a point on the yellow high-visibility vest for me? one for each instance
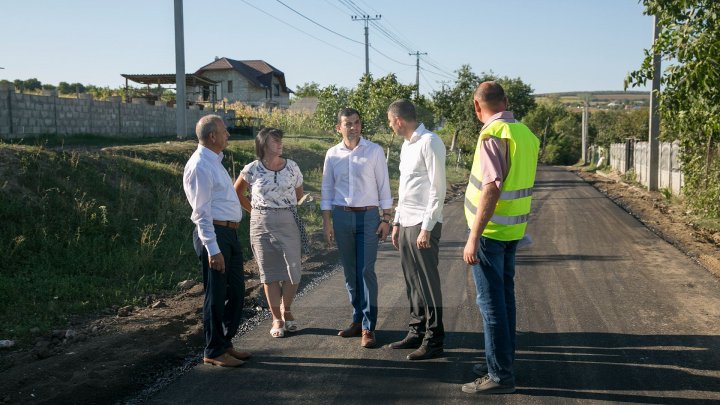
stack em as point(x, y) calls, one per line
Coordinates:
point(513, 208)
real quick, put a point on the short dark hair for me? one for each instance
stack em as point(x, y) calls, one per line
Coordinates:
point(261, 140)
point(347, 112)
point(490, 94)
point(404, 109)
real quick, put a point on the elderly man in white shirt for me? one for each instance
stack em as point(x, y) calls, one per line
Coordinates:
point(417, 229)
point(216, 213)
point(355, 183)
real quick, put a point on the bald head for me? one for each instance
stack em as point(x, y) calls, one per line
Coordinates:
point(491, 96)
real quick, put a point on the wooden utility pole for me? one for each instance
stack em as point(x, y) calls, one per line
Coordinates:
point(653, 143)
point(366, 18)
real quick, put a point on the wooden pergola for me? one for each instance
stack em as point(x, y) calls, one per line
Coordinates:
point(208, 87)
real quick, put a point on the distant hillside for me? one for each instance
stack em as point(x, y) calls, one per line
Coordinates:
point(600, 99)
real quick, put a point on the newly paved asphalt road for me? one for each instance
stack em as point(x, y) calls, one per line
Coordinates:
point(607, 312)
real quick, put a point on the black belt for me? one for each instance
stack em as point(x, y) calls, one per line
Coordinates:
point(369, 207)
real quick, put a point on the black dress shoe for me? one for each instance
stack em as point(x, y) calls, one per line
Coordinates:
point(410, 342)
point(425, 352)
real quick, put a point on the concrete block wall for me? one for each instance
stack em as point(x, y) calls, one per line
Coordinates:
point(670, 174)
point(24, 115)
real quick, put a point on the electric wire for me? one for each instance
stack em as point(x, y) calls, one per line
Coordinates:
point(318, 24)
point(298, 29)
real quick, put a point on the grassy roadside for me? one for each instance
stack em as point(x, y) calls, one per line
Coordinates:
point(87, 229)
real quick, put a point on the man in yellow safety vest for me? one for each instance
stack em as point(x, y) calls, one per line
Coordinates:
point(497, 209)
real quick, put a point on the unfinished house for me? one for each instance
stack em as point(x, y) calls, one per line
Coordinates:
point(252, 82)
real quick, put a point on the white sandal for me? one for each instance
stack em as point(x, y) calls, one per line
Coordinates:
point(290, 326)
point(278, 332)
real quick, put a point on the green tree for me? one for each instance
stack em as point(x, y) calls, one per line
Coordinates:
point(330, 100)
point(519, 93)
point(559, 132)
point(455, 104)
point(77, 88)
point(614, 126)
point(425, 111)
point(310, 89)
point(689, 38)
point(372, 98)
point(32, 84)
point(64, 88)
point(48, 87)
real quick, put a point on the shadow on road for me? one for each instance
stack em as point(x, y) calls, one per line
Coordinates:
point(568, 365)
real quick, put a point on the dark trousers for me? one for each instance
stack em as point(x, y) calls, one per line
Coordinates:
point(422, 282)
point(224, 294)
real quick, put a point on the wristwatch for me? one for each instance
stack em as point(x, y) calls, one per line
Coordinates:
point(387, 221)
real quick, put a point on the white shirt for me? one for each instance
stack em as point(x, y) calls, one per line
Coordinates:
point(422, 180)
point(211, 195)
point(355, 178)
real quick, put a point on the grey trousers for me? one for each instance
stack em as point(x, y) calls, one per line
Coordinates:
point(422, 281)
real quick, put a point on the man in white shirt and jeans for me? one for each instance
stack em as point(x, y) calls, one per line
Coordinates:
point(216, 213)
point(417, 229)
point(355, 183)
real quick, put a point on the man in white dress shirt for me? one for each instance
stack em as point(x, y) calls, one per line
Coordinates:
point(417, 228)
point(355, 183)
point(216, 213)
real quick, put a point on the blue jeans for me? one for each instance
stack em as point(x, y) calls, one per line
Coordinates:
point(494, 281)
point(357, 243)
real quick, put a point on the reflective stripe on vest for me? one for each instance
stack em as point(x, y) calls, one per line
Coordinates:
point(505, 195)
point(500, 219)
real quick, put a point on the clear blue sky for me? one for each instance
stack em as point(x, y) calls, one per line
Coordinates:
point(554, 45)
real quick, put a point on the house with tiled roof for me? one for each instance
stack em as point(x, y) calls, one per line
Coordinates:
point(251, 82)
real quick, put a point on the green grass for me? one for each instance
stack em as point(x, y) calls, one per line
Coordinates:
point(95, 141)
point(86, 229)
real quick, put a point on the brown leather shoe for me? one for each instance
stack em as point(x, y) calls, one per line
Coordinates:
point(353, 330)
point(237, 354)
point(425, 352)
point(368, 339)
point(224, 360)
point(409, 342)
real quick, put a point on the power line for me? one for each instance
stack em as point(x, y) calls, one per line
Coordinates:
point(352, 7)
point(318, 24)
point(437, 73)
point(443, 72)
point(394, 60)
point(428, 83)
point(395, 38)
point(298, 29)
point(332, 3)
point(438, 65)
